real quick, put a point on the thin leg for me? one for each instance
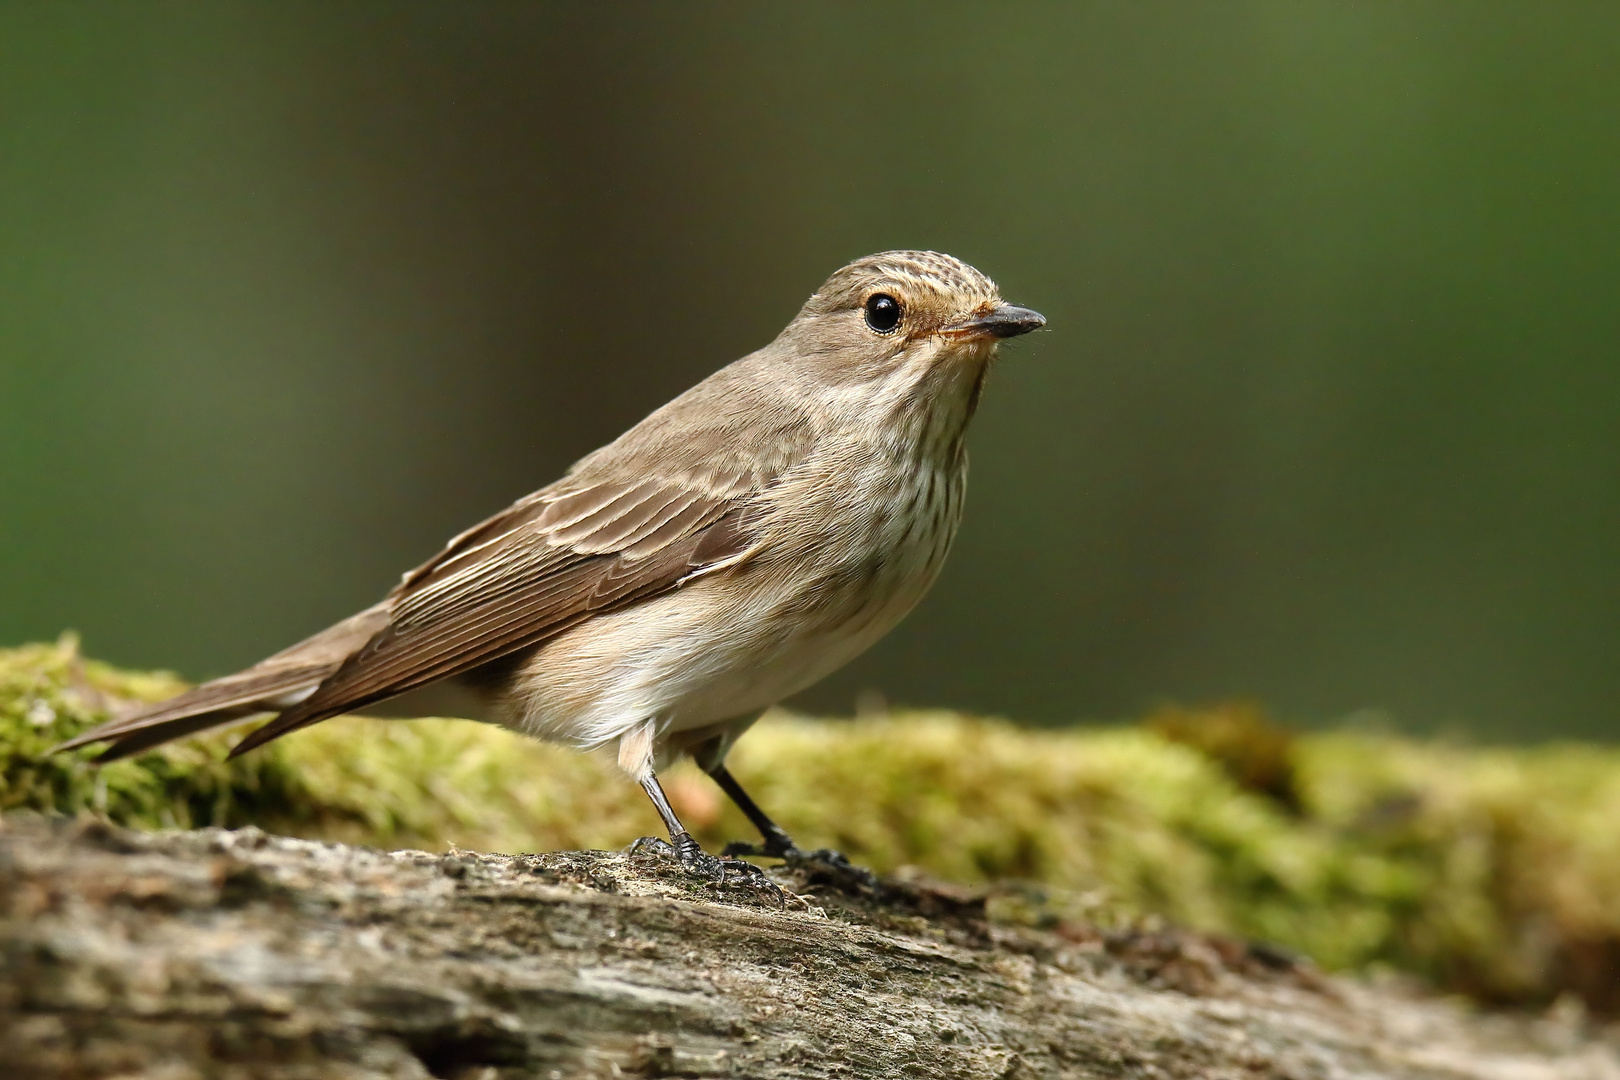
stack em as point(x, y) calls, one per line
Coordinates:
point(777, 843)
point(825, 865)
point(688, 852)
point(685, 846)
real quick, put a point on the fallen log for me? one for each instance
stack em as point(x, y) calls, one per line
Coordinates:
point(236, 953)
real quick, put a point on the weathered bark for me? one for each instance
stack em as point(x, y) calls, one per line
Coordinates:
point(215, 953)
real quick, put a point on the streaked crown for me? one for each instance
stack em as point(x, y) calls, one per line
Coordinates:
point(940, 287)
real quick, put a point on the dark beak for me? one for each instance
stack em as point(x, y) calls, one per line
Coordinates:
point(1001, 321)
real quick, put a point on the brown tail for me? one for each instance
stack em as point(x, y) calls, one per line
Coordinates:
point(276, 683)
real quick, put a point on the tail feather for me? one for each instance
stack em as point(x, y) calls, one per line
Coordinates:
point(277, 683)
point(210, 705)
point(285, 724)
point(232, 697)
point(145, 738)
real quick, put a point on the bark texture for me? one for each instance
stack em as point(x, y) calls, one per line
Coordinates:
point(239, 954)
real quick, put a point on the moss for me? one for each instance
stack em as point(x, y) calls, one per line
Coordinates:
point(48, 692)
point(1491, 871)
point(1256, 753)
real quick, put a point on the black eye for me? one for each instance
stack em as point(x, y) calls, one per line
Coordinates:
point(882, 313)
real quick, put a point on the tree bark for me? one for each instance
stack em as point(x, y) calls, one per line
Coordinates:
point(217, 953)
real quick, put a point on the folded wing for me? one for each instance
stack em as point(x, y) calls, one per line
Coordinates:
point(529, 574)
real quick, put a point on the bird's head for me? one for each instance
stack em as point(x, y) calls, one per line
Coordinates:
point(905, 311)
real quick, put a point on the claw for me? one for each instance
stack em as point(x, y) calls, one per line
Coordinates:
point(721, 872)
point(833, 867)
point(652, 845)
point(822, 866)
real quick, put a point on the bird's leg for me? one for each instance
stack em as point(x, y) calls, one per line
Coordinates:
point(824, 863)
point(685, 849)
point(778, 844)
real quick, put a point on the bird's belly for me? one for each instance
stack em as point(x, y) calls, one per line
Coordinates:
point(772, 666)
point(730, 644)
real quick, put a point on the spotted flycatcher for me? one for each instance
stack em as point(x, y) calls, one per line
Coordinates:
point(737, 545)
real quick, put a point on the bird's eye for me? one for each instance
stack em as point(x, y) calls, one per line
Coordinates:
point(882, 312)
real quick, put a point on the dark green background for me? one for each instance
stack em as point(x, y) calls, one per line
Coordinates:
point(1327, 414)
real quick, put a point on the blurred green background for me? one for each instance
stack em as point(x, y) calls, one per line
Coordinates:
point(1327, 415)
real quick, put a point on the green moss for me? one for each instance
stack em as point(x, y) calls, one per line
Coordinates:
point(1256, 753)
point(1491, 871)
point(48, 692)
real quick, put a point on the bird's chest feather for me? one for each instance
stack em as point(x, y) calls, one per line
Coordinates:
point(866, 535)
point(890, 503)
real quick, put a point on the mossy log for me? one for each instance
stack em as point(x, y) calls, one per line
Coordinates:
point(218, 953)
point(1492, 872)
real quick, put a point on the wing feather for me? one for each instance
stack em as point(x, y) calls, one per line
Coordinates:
point(526, 576)
point(614, 517)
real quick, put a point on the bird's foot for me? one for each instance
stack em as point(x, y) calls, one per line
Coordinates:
point(723, 872)
point(824, 866)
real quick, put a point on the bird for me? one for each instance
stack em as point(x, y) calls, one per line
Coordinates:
point(734, 547)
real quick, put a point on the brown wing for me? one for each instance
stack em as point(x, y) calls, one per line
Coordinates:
point(528, 574)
